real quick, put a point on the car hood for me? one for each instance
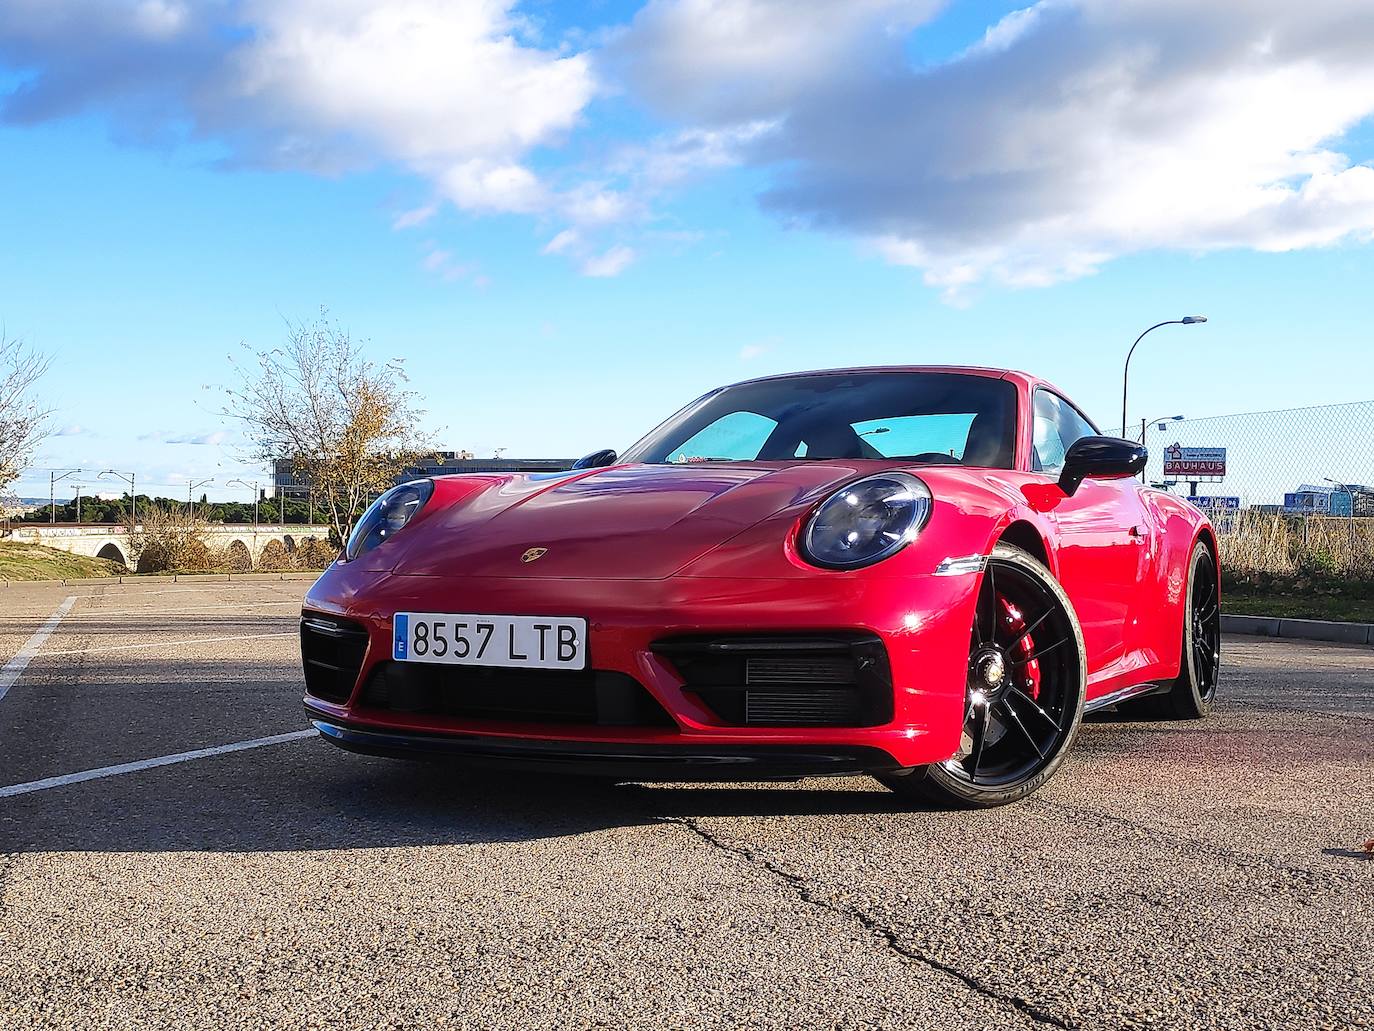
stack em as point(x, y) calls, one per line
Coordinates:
point(624, 522)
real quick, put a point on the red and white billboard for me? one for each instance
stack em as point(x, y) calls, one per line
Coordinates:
point(1185, 462)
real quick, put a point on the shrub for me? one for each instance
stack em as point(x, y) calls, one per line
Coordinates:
point(166, 541)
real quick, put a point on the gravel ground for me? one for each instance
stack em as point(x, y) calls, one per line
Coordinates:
point(1173, 876)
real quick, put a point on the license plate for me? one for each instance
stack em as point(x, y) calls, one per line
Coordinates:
point(532, 642)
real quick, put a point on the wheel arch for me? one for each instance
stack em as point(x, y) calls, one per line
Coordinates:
point(1025, 535)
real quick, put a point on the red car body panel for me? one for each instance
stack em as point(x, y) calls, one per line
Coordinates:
point(645, 552)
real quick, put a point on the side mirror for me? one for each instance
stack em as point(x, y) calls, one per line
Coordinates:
point(596, 460)
point(1101, 458)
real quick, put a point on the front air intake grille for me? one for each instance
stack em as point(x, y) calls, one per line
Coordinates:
point(588, 697)
point(332, 651)
point(815, 680)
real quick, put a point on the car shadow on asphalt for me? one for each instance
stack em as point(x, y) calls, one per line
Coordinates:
point(306, 796)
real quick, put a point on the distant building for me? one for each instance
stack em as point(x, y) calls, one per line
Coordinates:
point(446, 463)
point(287, 483)
point(1324, 499)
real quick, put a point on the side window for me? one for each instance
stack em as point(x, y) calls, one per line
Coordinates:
point(737, 437)
point(1057, 426)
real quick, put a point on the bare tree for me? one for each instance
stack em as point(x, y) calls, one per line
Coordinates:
point(23, 421)
point(348, 426)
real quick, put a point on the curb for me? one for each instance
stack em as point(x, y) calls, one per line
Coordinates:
point(1299, 629)
point(156, 578)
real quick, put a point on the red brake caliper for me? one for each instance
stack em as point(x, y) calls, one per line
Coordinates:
point(1025, 675)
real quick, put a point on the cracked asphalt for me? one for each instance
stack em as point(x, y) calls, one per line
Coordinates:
point(1202, 875)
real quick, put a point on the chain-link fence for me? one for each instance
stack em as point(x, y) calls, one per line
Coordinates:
point(1289, 491)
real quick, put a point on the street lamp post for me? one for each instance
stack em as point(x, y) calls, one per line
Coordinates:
point(53, 479)
point(191, 487)
point(256, 495)
point(1161, 420)
point(1145, 423)
point(133, 490)
point(1187, 320)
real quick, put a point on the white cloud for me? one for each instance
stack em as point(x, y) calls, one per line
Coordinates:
point(1075, 132)
point(444, 265)
point(70, 431)
point(1072, 133)
point(451, 90)
point(415, 216)
point(749, 352)
point(562, 243)
point(213, 438)
point(730, 61)
point(608, 264)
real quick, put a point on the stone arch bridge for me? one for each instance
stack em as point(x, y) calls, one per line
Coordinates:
point(242, 541)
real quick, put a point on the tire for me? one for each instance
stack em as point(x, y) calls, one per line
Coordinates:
point(1193, 692)
point(1017, 728)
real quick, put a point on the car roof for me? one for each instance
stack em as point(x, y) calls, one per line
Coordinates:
point(1024, 379)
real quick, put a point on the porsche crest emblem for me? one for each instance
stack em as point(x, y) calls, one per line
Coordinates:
point(532, 554)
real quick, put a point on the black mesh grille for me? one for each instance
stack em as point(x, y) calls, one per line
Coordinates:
point(589, 697)
point(332, 650)
point(839, 680)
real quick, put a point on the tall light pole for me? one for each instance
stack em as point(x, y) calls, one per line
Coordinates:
point(1145, 423)
point(1161, 420)
point(133, 490)
point(1187, 320)
point(256, 495)
point(78, 501)
point(53, 480)
point(189, 488)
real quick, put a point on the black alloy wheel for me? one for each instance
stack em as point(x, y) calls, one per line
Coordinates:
point(1024, 691)
point(1193, 692)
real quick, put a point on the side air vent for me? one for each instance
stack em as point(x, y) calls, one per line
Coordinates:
point(332, 650)
point(824, 680)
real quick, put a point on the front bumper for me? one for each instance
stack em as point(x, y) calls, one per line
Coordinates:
point(625, 760)
point(923, 622)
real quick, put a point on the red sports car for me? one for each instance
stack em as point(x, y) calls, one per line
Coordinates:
point(924, 574)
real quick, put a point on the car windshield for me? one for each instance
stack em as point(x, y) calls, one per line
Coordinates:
point(909, 416)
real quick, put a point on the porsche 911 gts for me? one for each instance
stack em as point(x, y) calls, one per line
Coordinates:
point(927, 574)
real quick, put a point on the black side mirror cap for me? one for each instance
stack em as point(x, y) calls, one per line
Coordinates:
point(596, 460)
point(1101, 458)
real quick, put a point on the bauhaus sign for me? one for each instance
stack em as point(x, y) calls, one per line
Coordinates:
point(1194, 461)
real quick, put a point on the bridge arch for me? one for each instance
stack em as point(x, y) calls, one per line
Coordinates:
point(240, 557)
point(110, 550)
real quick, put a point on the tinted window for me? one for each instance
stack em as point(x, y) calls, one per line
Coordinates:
point(735, 433)
point(910, 416)
point(1057, 425)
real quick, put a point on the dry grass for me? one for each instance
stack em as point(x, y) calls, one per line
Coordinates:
point(35, 562)
point(1262, 544)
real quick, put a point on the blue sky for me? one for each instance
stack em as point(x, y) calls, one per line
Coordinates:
point(738, 189)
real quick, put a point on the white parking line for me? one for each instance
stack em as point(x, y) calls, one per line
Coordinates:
point(164, 644)
point(9, 675)
point(148, 764)
point(198, 611)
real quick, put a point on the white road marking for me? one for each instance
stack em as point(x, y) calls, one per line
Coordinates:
point(10, 674)
point(165, 644)
point(137, 591)
point(206, 610)
point(148, 764)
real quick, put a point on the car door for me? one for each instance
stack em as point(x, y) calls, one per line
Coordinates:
point(1104, 539)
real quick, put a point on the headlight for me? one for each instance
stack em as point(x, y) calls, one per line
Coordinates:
point(387, 515)
point(867, 521)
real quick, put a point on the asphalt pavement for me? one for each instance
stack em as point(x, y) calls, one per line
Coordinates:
point(1202, 875)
